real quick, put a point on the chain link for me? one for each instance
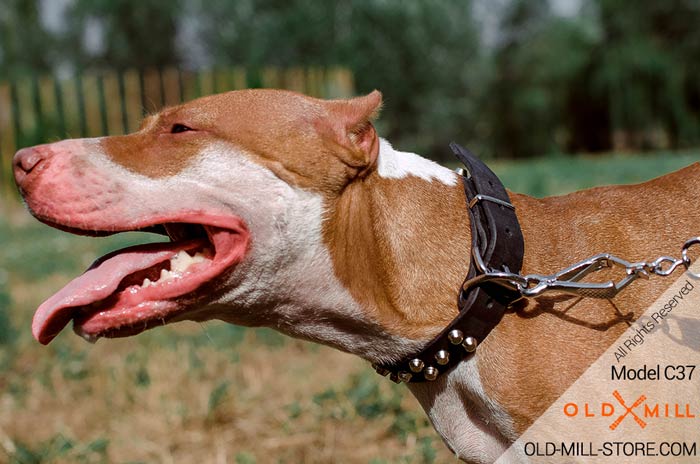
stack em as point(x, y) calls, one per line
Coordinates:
point(569, 280)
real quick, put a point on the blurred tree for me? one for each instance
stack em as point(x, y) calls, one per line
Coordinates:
point(424, 56)
point(616, 75)
point(542, 101)
point(650, 71)
point(23, 49)
point(519, 107)
point(269, 32)
point(122, 33)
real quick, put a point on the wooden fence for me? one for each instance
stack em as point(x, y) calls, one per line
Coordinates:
point(47, 108)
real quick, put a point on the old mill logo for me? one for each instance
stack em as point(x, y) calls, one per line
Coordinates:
point(640, 410)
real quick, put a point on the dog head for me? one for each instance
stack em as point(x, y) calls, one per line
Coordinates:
point(240, 182)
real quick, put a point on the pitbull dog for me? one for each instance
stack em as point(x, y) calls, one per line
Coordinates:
point(289, 212)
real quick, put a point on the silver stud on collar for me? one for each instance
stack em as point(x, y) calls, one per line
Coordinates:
point(430, 373)
point(416, 365)
point(442, 357)
point(405, 376)
point(455, 336)
point(469, 344)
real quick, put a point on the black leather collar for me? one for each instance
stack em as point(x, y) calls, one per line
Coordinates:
point(497, 244)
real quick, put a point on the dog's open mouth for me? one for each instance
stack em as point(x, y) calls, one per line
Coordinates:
point(133, 289)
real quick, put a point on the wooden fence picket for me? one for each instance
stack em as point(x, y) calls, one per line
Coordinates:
point(7, 140)
point(171, 87)
point(93, 119)
point(132, 100)
point(113, 110)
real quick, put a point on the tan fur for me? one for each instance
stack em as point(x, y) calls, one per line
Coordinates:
point(394, 257)
point(306, 141)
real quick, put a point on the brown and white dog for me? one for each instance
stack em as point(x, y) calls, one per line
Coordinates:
point(289, 212)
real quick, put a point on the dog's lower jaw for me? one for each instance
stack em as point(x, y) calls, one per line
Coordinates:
point(474, 427)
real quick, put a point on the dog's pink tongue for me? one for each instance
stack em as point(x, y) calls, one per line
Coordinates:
point(97, 283)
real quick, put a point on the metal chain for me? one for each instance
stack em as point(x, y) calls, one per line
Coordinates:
point(569, 280)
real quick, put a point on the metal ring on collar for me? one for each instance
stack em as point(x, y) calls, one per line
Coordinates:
point(686, 259)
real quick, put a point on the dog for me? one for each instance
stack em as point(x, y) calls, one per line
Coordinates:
point(290, 212)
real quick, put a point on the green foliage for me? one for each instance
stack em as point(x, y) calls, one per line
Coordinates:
point(24, 43)
point(537, 68)
point(427, 449)
point(424, 56)
point(140, 34)
point(554, 175)
point(367, 399)
point(73, 363)
point(270, 338)
point(615, 75)
point(60, 447)
point(136, 365)
point(294, 409)
point(367, 396)
point(217, 396)
point(142, 378)
point(7, 333)
point(243, 457)
point(47, 251)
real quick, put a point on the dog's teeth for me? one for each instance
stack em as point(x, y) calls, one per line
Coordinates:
point(89, 337)
point(146, 283)
point(165, 275)
point(182, 260)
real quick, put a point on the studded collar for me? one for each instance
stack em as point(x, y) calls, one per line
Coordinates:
point(497, 245)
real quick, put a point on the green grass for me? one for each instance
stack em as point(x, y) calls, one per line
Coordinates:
point(37, 251)
point(60, 447)
point(561, 174)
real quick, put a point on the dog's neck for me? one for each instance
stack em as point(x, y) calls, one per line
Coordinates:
point(399, 241)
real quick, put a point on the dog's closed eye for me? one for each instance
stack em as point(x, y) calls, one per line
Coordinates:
point(178, 128)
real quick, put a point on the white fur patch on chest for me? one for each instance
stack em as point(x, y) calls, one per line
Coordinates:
point(474, 426)
point(394, 164)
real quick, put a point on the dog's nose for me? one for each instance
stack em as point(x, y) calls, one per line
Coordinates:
point(25, 161)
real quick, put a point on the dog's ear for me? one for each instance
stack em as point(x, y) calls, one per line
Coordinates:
point(353, 132)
